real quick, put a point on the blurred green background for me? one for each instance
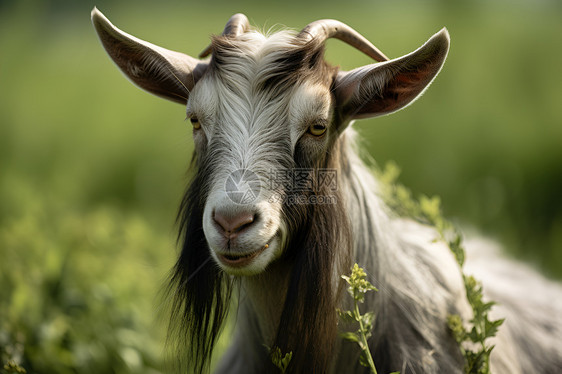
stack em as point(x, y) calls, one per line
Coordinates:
point(92, 169)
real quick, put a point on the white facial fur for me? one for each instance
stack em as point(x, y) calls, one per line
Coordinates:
point(243, 127)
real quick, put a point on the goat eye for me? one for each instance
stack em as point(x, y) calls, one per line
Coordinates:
point(195, 123)
point(317, 129)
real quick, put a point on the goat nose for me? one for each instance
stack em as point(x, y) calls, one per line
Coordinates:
point(233, 224)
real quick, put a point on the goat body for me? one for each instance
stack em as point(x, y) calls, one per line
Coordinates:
point(281, 205)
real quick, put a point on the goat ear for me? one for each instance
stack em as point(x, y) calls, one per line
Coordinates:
point(383, 88)
point(162, 72)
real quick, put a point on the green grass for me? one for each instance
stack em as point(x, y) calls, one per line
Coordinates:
point(92, 169)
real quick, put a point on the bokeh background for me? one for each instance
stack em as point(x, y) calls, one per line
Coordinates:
point(92, 169)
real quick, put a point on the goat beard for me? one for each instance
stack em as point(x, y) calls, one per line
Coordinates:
point(200, 292)
point(319, 248)
point(308, 323)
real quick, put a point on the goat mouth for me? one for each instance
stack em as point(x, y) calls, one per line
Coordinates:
point(235, 260)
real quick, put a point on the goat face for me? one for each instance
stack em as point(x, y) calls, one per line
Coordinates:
point(251, 136)
point(263, 108)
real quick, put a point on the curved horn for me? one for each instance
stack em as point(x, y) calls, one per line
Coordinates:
point(236, 25)
point(330, 28)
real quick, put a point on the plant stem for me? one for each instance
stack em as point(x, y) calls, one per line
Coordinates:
point(364, 339)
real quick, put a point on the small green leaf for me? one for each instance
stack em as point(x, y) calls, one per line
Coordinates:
point(492, 327)
point(351, 336)
point(281, 362)
point(455, 324)
point(363, 360)
point(346, 316)
point(487, 306)
point(287, 359)
point(456, 247)
point(473, 335)
point(368, 319)
point(12, 367)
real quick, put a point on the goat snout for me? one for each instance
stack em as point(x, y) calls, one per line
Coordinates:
point(243, 239)
point(230, 225)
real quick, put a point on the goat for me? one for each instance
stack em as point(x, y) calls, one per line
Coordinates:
point(272, 128)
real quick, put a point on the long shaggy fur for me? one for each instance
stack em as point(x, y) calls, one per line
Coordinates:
point(200, 291)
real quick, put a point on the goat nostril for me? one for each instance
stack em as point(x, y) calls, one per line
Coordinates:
point(233, 223)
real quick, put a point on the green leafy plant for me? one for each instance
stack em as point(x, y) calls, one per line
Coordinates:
point(280, 360)
point(12, 367)
point(71, 302)
point(477, 360)
point(470, 336)
point(358, 287)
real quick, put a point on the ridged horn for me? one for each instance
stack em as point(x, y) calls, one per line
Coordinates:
point(236, 25)
point(330, 28)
